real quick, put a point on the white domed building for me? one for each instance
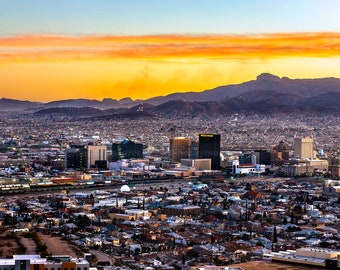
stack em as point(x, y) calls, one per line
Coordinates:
point(125, 189)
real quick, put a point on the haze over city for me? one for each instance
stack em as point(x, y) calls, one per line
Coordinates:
point(52, 50)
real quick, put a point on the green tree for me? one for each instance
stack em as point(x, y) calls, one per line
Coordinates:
point(82, 221)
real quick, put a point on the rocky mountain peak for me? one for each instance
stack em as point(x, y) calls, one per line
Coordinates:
point(267, 77)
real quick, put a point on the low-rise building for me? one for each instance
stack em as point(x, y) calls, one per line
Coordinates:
point(331, 187)
point(198, 164)
point(182, 210)
point(334, 170)
point(310, 256)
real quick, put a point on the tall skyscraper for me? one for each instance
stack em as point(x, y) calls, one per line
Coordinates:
point(179, 148)
point(96, 156)
point(126, 150)
point(262, 156)
point(304, 148)
point(76, 157)
point(209, 146)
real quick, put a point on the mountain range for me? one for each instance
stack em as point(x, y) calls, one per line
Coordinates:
point(267, 94)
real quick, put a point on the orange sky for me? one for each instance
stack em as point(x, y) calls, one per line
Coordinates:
point(45, 68)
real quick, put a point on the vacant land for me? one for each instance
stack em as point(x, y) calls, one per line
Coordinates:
point(10, 244)
point(57, 246)
point(21, 243)
point(29, 245)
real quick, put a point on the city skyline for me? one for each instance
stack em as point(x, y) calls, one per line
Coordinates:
point(141, 49)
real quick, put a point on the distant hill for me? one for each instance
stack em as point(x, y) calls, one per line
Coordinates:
point(265, 81)
point(267, 94)
point(106, 103)
point(70, 110)
point(12, 105)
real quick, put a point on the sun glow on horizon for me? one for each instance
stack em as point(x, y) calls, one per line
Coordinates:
point(45, 68)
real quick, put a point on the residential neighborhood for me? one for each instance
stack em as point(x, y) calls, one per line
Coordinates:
point(171, 225)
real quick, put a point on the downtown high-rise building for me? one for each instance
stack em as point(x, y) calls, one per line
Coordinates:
point(304, 148)
point(179, 148)
point(126, 149)
point(86, 157)
point(96, 156)
point(76, 157)
point(209, 146)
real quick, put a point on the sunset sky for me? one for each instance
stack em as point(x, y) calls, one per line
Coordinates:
point(95, 49)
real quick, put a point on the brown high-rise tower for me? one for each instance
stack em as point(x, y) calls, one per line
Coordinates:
point(179, 148)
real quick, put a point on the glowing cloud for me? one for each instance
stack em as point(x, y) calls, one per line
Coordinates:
point(170, 47)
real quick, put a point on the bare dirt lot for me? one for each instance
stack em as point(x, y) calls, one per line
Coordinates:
point(12, 244)
point(29, 244)
point(58, 246)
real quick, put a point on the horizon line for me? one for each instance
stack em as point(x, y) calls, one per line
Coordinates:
point(140, 99)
